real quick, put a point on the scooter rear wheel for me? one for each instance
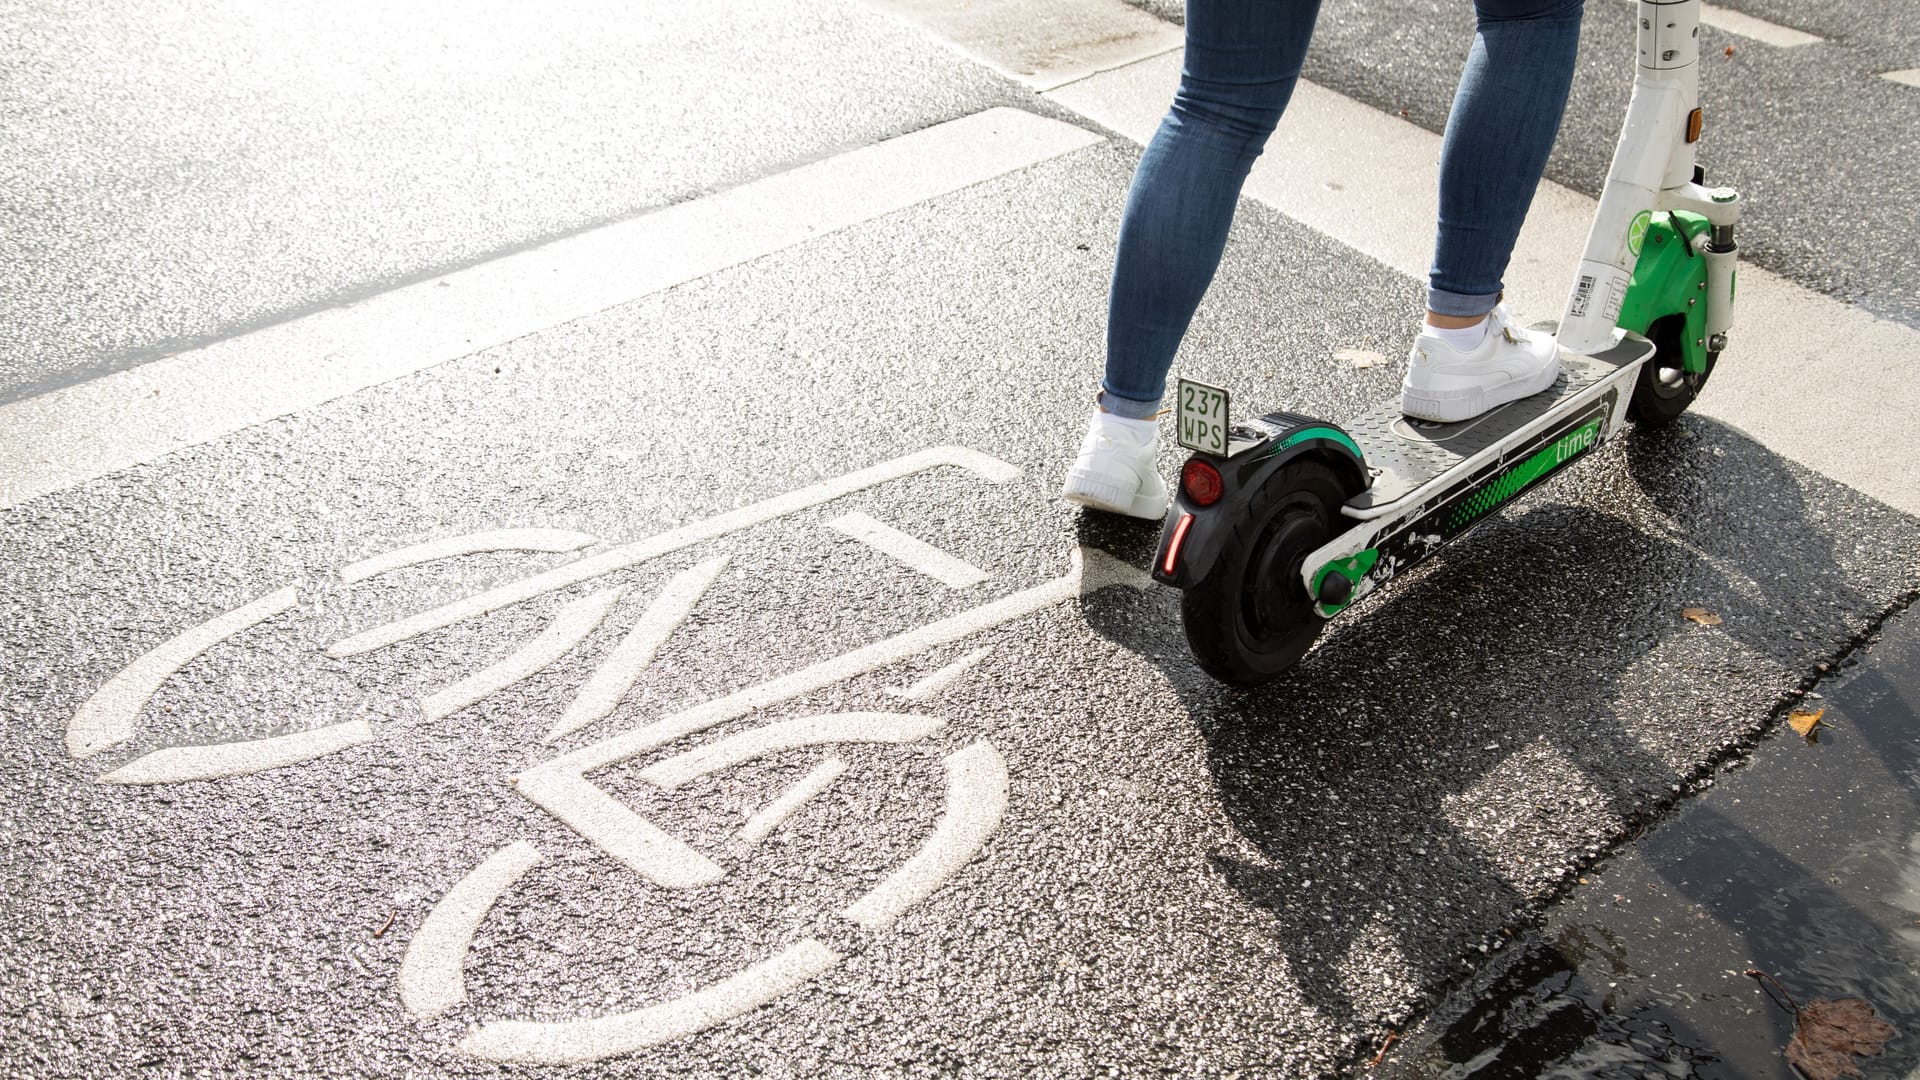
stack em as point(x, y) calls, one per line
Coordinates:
point(1250, 618)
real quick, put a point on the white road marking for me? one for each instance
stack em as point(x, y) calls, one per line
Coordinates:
point(472, 543)
point(989, 468)
point(568, 629)
point(560, 786)
point(775, 814)
point(1068, 40)
point(574, 1041)
point(911, 551)
point(107, 717)
point(644, 847)
point(940, 680)
point(432, 979)
point(614, 677)
point(1368, 180)
point(1908, 77)
point(179, 764)
point(721, 754)
point(1760, 30)
point(976, 801)
point(73, 435)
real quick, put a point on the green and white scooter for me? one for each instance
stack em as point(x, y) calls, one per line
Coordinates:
point(1281, 523)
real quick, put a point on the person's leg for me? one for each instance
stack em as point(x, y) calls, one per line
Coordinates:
point(1242, 62)
point(1468, 357)
point(1505, 115)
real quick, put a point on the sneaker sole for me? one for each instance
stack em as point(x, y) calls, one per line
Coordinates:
point(1097, 495)
point(1451, 407)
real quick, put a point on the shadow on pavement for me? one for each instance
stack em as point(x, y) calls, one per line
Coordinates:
point(1455, 747)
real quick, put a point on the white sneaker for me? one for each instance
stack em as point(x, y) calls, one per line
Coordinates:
point(1448, 385)
point(1116, 470)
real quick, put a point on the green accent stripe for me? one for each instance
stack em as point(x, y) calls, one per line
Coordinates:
point(1331, 434)
point(1515, 480)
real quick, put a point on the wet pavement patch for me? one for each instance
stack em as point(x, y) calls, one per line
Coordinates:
point(1802, 862)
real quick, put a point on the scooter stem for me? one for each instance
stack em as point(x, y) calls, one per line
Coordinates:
point(1654, 158)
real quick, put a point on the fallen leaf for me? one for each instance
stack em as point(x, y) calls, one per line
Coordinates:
point(1360, 358)
point(1828, 1035)
point(1700, 615)
point(1831, 1034)
point(1802, 721)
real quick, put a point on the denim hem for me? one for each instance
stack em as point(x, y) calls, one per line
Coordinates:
point(1131, 408)
point(1460, 305)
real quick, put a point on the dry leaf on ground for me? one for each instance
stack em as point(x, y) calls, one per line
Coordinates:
point(1828, 1034)
point(1360, 358)
point(1831, 1034)
point(1700, 615)
point(1803, 721)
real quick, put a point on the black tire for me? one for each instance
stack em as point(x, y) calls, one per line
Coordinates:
point(1250, 618)
point(1657, 402)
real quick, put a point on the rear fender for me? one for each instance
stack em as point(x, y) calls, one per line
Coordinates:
point(1192, 537)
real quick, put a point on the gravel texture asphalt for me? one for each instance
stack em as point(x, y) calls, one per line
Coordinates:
point(1186, 878)
point(168, 177)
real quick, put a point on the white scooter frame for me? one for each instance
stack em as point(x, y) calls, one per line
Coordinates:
point(1245, 535)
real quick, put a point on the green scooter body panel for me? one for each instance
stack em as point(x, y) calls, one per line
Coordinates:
point(1670, 278)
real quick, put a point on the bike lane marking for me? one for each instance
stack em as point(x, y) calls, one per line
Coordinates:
point(568, 629)
point(616, 675)
point(107, 718)
point(68, 436)
point(576, 1041)
point(909, 550)
point(991, 469)
point(551, 540)
point(560, 785)
point(939, 680)
point(775, 814)
point(178, 764)
point(432, 976)
point(430, 979)
point(977, 789)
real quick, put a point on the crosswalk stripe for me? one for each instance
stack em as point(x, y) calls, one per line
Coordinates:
point(69, 436)
point(1071, 39)
point(1814, 380)
point(1766, 33)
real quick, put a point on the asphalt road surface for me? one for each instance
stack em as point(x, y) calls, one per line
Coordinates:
point(530, 547)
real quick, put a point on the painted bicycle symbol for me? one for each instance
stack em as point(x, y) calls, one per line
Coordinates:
point(430, 979)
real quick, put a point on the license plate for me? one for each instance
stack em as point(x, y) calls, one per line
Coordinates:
point(1200, 417)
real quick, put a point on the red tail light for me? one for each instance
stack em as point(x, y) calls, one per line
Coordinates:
point(1201, 481)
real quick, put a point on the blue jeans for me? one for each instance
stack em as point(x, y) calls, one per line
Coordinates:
point(1243, 59)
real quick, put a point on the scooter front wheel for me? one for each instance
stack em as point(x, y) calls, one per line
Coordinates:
point(1250, 617)
point(1665, 388)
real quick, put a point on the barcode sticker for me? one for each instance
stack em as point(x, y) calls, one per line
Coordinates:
point(1582, 295)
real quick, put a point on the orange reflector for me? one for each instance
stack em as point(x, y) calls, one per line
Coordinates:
point(1695, 121)
point(1179, 537)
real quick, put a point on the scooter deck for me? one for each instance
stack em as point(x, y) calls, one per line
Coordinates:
point(1407, 454)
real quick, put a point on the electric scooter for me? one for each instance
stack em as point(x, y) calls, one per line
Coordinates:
point(1282, 523)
